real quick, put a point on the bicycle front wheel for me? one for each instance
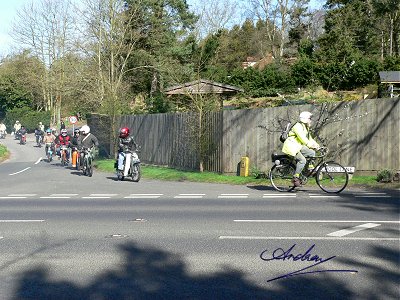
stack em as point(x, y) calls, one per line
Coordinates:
point(332, 177)
point(281, 177)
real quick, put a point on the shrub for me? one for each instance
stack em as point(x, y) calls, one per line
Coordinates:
point(385, 175)
point(27, 117)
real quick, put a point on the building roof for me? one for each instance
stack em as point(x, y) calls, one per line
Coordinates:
point(390, 76)
point(202, 86)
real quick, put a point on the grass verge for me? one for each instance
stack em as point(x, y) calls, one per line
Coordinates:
point(4, 154)
point(164, 173)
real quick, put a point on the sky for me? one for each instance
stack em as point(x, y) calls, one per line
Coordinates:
point(8, 11)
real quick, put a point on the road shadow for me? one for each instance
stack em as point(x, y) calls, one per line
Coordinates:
point(152, 273)
point(113, 178)
point(261, 187)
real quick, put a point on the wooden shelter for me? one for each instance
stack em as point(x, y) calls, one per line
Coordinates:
point(202, 86)
point(392, 79)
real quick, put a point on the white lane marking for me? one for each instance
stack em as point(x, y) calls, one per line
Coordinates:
point(143, 196)
point(21, 221)
point(59, 196)
point(185, 196)
point(13, 197)
point(324, 196)
point(63, 195)
point(369, 193)
point(344, 232)
point(55, 197)
point(373, 196)
point(287, 195)
point(233, 196)
point(99, 196)
point(315, 221)
point(22, 195)
point(19, 171)
point(38, 161)
point(233, 237)
point(103, 195)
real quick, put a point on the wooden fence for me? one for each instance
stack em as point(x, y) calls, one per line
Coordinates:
point(363, 134)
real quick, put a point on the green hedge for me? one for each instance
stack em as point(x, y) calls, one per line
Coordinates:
point(27, 117)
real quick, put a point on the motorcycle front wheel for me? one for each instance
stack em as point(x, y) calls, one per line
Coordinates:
point(136, 174)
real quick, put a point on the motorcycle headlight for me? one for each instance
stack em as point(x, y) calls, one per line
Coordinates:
point(277, 162)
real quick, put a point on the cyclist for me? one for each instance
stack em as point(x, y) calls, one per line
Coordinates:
point(48, 139)
point(86, 140)
point(300, 144)
point(125, 144)
point(64, 140)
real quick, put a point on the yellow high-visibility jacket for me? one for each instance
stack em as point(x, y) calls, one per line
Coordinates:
point(298, 136)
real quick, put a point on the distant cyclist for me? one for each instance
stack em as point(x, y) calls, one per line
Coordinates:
point(300, 144)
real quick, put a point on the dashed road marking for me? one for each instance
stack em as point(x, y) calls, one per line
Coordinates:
point(143, 196)
point(287, 195)
point(351, 230)
point(315, 221)
point(59, 196)
point(21, 221)
point(191, 196)
point(322, 196)
point(371, 195)
point(99, 196)
point(22, 195)
point(237, 237)
point(233, 196)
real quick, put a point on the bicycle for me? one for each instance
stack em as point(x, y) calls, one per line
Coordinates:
point(330, 176)
point(87, 159)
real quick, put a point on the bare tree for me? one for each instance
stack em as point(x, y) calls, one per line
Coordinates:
point(276, 16)
point(108, 42)
point(45, 27)
point(216, 15)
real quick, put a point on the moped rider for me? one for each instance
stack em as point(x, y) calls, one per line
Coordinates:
point(39, 133)
point(300, 144)
point(41, 126)
point(125, 147)
point(63, 140)
point(49, 140)
point(86, 140)
point(17, 127)
point(3, 129)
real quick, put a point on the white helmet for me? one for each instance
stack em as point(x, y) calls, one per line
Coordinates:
point(85, 129)
point(305, 117)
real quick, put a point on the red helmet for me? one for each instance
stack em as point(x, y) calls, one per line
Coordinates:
point(124, 132)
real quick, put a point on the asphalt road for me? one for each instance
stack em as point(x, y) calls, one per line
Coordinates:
point(67, 236)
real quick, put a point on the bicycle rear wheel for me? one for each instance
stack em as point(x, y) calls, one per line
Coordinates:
point(281, 177)
point(332, 177)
